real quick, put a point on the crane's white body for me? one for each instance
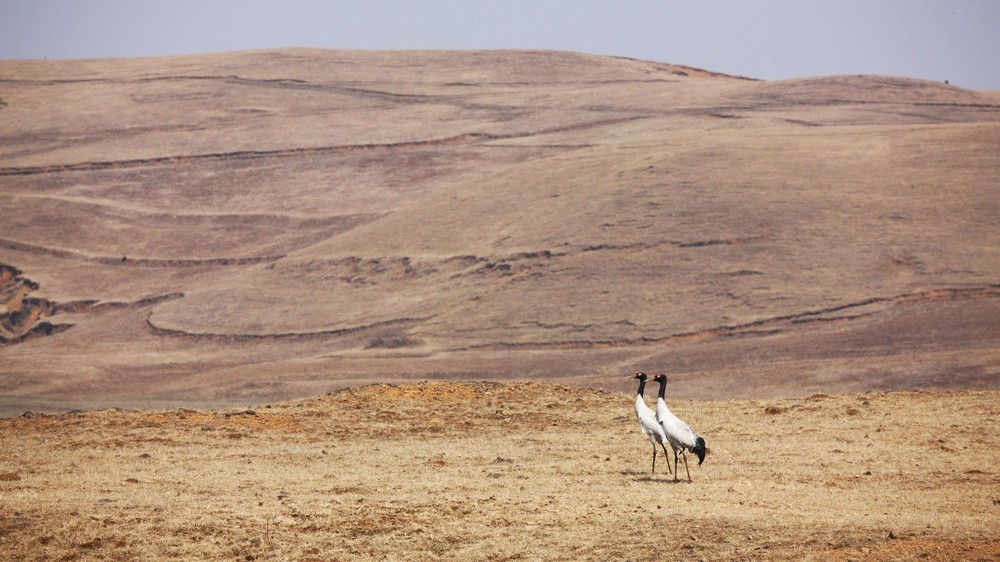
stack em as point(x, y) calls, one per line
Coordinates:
point(649, 424)
point(678, 433)
point(680, 436)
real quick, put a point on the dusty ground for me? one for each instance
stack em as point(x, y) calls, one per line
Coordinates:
point(488, 471)
point(217, 230)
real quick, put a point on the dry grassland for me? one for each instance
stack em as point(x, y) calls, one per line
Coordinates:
point(182, 235)
point(513, 471)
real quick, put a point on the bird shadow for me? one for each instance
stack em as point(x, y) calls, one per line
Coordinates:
point(646, 477)
point(659, 480)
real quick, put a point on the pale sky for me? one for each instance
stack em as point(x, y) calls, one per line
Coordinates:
point(954, 40)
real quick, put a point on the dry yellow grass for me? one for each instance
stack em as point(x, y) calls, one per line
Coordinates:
point(488, 471)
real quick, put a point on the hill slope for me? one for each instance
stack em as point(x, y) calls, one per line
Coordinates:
point(255, 226)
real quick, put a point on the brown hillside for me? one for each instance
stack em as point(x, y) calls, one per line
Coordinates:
point(248, 227)
point(515, 471)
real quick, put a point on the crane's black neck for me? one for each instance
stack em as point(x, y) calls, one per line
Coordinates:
point(642, 386)
point(663, 387)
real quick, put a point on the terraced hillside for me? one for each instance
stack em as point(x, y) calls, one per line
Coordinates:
point(248, 227)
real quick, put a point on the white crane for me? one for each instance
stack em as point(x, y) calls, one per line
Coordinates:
point(648, 423)
point(681, 437)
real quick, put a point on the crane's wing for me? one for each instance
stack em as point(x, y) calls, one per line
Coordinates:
point(675, 429)
point(648, 423)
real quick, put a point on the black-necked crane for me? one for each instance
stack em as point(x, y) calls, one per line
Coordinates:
point(681, 437)
point(648, 423)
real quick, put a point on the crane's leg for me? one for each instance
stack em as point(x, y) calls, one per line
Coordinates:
point(677, 467)
point(667, 456)
point(654, 459)
point(684, 454)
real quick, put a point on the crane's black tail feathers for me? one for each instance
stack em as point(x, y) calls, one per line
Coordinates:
point(699, 449)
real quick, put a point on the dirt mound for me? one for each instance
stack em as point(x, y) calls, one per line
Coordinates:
point(438, 407)
point(451, 392)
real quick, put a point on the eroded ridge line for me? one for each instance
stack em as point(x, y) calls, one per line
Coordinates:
point(137, 262)
point(24, 316)
point(96, 165)
point(757, 328)
point(280, 336)
point(235, 155)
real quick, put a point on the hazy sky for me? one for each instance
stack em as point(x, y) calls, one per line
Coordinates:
point(955, 40)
